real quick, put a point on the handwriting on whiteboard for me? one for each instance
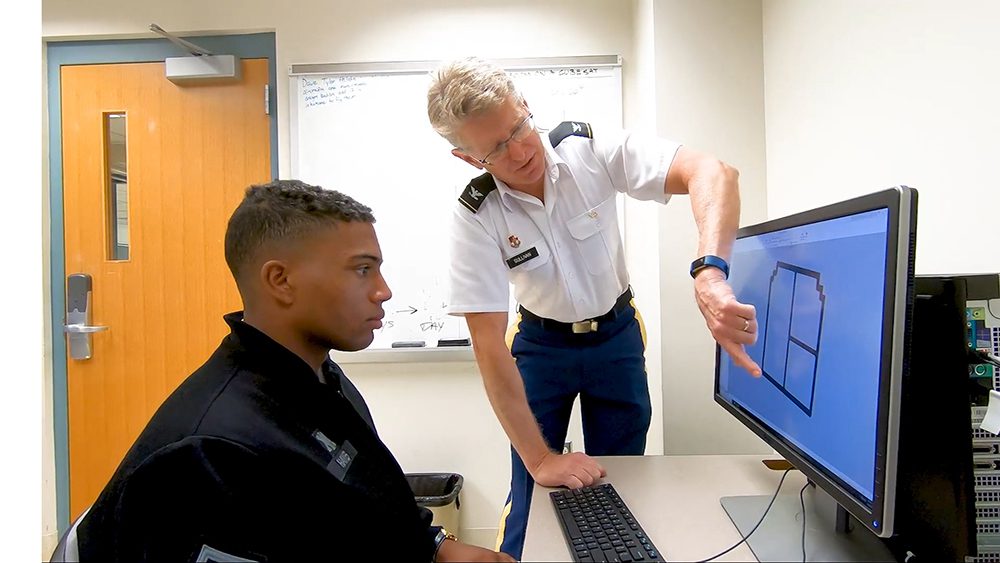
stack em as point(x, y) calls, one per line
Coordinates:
point(327, 89)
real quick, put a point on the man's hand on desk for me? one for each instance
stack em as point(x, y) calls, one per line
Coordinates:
point(573, 470)
point(456, 551)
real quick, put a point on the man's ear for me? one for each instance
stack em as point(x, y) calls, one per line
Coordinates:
point(274, 281)
point(467, 158)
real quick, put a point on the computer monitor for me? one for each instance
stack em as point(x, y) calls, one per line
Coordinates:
point(832, 288)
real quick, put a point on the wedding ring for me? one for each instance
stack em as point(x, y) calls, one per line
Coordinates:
point(746, 325)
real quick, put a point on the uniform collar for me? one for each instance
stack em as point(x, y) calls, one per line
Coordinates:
point(273, 358)
point(552, 158)
point(552, 163)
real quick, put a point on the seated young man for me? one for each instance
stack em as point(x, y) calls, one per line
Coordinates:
point(268, 452)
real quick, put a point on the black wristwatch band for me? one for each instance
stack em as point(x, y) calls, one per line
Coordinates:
point(709, 261)
point(439, 540)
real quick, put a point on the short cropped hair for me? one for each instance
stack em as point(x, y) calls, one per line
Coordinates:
point(462, 88)
point(284, 210)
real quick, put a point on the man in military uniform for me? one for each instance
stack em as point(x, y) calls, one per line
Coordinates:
point(543, 218)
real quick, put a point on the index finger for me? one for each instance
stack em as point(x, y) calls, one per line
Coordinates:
point(743, 360)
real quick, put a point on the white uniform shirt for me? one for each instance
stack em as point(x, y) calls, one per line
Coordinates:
point(565, 258)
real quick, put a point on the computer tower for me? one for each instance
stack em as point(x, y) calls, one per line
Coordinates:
point(982, 319)
point(936, 512)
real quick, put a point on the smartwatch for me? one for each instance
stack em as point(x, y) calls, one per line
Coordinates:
point(709, 261)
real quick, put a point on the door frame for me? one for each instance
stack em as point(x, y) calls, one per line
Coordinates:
point(59, 53)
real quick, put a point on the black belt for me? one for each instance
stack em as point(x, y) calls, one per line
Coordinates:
point(584, 326)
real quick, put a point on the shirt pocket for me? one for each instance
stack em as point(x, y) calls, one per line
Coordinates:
point(590, 229)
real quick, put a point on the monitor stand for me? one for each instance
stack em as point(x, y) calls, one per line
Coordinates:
point(779, 537)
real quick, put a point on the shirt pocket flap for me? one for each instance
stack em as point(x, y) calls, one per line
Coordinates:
point(594, 221)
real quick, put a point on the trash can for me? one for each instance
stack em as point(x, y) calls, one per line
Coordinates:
point(438, 492)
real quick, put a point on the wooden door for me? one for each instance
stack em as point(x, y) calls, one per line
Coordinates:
point(191, 151)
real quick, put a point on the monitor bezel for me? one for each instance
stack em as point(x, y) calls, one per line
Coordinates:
point(897, 319)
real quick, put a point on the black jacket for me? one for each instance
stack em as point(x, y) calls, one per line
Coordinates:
point(252, 456)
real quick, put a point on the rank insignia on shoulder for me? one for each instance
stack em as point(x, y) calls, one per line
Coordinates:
point(569, 129)
point(477, 191)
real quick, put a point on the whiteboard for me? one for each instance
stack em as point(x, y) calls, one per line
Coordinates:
point(365, 132)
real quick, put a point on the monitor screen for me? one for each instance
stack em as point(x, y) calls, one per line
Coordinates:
point(831, 288)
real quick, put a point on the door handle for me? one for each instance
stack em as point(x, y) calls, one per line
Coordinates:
point(78, 328)
point(83, 329)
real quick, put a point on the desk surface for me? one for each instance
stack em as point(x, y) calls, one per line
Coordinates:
point(674, 498)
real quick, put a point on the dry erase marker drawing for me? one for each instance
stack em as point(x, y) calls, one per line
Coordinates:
point(793, 324)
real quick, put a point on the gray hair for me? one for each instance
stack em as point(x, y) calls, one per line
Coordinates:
point(462, 88)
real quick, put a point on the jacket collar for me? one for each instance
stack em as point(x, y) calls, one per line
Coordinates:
point(271, 358)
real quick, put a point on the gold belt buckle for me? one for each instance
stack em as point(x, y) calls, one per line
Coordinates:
point(583, 327)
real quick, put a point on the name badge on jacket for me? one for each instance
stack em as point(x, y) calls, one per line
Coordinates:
point(515, 261)
point(343, 455)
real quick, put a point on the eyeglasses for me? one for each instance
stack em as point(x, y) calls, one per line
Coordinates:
point(520, 133)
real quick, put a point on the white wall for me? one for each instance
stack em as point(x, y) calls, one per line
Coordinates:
point(865, 95)
point(434, 417)
point(709, 95)
point(642, 218)
point(21, 334)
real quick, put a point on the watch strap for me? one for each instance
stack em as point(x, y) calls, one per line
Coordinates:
point(439, 540)
point(709, 261)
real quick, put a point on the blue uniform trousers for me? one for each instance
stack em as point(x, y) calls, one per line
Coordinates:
point(607, 370)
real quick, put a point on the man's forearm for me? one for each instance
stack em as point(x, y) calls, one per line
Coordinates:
point(510, 403)
point(715, 202)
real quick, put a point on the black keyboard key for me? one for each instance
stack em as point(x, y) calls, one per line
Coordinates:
point(611, 556)
point(638, 554)
point(569, 524)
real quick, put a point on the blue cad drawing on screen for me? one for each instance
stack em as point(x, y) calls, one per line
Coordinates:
point(793, 323)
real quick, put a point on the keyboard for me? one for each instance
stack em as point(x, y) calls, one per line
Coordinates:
point(598, 526)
